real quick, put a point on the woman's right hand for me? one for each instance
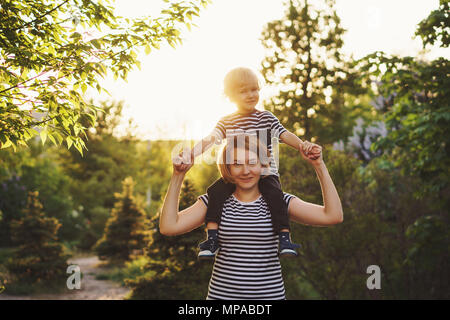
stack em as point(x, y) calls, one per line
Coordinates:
point(183, 162)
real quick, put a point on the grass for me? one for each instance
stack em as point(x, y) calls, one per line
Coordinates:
point(130, 270)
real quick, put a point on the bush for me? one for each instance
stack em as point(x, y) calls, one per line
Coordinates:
point(39, 262)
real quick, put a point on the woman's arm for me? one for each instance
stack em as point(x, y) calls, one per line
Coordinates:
point(292, 140)
point(312, 214)
point(172, 222)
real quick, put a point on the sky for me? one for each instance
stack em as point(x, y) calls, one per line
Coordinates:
point(177, 94)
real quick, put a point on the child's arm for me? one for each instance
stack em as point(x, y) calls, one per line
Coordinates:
point(292, 140)
point(203, 146)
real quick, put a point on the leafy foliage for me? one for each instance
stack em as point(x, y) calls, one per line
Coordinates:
point(380, 228)
point(391, 176)
point(51, 53)
point(418, 120)
point(97, 175)
point(310, 74)
point(12, 200)
point(179, 274)
point(435, 28)
point(417, 111)
point(34, 168)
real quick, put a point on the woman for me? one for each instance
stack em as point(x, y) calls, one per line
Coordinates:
point(247, 265)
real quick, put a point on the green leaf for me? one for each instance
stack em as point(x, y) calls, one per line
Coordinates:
point(43, 135)
point(58, 137)
point(78, 147)
point(51, 50)
point(69, 142)
point(76, 129)
point(96, 43)
point(7, 144)
point(50, 136)
point(148, 49)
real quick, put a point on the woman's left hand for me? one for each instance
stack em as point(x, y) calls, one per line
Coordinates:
point(311, 152)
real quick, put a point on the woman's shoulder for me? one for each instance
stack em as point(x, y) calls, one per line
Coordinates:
point(204, 198)
point(287, 197)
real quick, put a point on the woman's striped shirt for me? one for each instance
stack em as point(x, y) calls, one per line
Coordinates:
point(263, 123)
point(247, 265)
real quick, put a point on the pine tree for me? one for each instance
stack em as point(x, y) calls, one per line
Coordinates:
point(39, 259)
point(308, 71)
point(13, 196)
point(181, 249)
point(179, 273)
point(126, 231)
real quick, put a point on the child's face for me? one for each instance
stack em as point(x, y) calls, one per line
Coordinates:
point(246, 96)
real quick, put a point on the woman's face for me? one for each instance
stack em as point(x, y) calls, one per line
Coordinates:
point(245, 169)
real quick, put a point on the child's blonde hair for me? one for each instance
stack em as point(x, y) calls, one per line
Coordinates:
point(237, 77)
point(229, 151)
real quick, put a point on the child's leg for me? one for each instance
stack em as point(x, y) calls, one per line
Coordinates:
point(212, 230)
point(218, 192)
point(212, 225)
point(270, 188)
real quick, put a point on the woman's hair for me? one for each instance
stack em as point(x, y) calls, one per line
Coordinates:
point(229, 153)
point(236, 78)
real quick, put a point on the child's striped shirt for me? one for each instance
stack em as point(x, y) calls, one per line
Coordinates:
point(262, 123)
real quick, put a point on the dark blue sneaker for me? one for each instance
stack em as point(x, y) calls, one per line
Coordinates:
point(286, 247)
point(209, 247)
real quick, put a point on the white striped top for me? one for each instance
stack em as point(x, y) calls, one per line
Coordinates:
point(247, 265)
point(262, 123)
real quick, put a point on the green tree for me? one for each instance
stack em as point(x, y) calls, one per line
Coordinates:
point(159, 171)
point(126, 231)
point(52, 52)
point(417, 117)
point(96, 176)
point(13, 196)
point(379, 210)
point(434, 29)
point(416, 111)
point(179, 274)
point(310, 74)
point(54, 191)
point(39, 261)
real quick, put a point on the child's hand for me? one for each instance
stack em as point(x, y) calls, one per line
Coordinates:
point(311, 152)
point(183, 162)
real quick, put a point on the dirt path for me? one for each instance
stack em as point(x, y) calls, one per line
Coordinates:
point(91, 288)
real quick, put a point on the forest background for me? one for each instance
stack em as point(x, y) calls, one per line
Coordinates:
point(69, 183)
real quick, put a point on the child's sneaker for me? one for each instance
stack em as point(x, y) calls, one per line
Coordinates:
point(286, 247)
point(209, 247)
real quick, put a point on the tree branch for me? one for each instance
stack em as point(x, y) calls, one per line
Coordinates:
point(40, 17)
